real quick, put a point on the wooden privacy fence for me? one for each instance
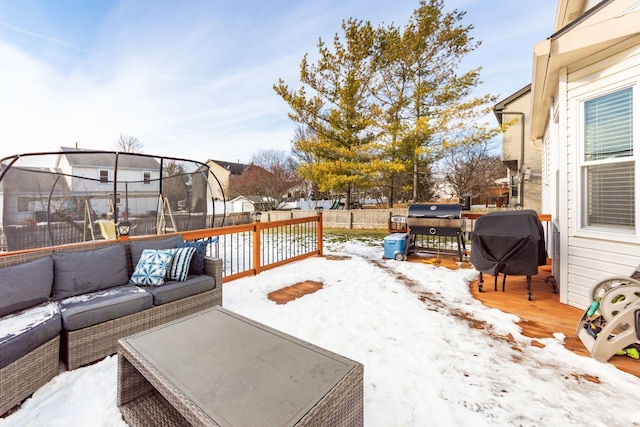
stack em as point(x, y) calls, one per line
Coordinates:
point(355, 219)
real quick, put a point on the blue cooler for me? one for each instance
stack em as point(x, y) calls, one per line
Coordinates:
point(395, 246)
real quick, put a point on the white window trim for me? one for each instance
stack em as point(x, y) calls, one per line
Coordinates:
point(579, 105)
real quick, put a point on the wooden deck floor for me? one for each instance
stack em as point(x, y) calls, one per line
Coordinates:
point(541, 317)
point(284, 295)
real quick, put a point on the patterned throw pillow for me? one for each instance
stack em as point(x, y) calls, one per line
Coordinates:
point(179, 267)
point(152, 267)
point(196, 267)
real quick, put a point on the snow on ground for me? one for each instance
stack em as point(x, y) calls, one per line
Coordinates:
point(432, 354)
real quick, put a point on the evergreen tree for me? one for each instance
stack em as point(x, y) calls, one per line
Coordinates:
point(385, 103)
point(423, 102)
point(344, 149)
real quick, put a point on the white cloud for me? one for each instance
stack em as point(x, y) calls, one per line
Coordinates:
point(192, 79)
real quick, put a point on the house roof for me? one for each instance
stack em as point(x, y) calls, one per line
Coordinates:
point(238, 199)
point(33, 180)
point(233, 168)
point(252, 199)
point(94, 158)
point(579, 36)
point(500, 106)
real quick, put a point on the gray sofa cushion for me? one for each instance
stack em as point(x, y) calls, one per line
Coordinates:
point(97, 307)
point(25, 285)
point(137, 246)
point(77, 273)
point(24, 331)
point(172, 291)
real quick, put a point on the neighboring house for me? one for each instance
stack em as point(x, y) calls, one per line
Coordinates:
point(224, 172)
point(253, 182)
point(586, 115)
point(240, 204)
point(521, 156)
point(29, 192)
point(90, 177)
point(79, 185)
point(496, 196)
point(247, 204)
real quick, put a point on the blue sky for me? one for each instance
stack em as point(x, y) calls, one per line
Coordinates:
point(193, 78)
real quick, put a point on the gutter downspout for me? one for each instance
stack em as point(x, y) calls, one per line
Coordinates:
point(521, 162)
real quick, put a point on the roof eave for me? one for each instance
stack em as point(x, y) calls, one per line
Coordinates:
point(581, 42)
point(500, 106)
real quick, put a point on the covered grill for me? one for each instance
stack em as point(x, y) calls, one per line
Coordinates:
point(435, 220)
point(510, 242)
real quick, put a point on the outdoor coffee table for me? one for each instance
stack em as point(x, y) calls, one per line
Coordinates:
point(217, 368)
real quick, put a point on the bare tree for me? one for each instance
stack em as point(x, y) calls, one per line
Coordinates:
point(471, 168)
point(271, 177)
point(128, 144)
point(300, 136)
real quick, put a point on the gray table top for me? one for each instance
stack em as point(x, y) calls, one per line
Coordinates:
point(240, 372)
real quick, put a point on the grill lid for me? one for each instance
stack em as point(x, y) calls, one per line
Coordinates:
point(423, 210)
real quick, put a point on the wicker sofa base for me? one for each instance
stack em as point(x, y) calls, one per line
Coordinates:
point(152, 409)
point(77, 348)
point(19, 379)
point(343, 406)
point(93, 343)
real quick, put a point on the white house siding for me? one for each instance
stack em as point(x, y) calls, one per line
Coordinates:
point(590, 260)
point(143, 198)
point(592, 256)
point(547, 175)
point(512, 139)
point(547, 205)
point(64, 166)
point(560, 135)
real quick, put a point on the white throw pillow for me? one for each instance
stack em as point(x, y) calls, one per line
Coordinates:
point(152, 267)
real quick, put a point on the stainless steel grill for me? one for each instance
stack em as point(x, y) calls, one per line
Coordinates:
point(436, 220)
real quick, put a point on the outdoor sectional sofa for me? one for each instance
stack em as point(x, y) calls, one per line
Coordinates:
point(73, 303)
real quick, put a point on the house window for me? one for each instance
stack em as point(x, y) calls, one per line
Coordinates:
point(515, 184)
point(608, 163)
point(146, 178)
point(104, 176)
point(23, 204)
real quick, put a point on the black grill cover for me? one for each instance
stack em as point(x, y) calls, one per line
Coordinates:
point(510, 242)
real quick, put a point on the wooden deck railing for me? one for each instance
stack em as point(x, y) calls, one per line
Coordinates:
point(249, 249)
